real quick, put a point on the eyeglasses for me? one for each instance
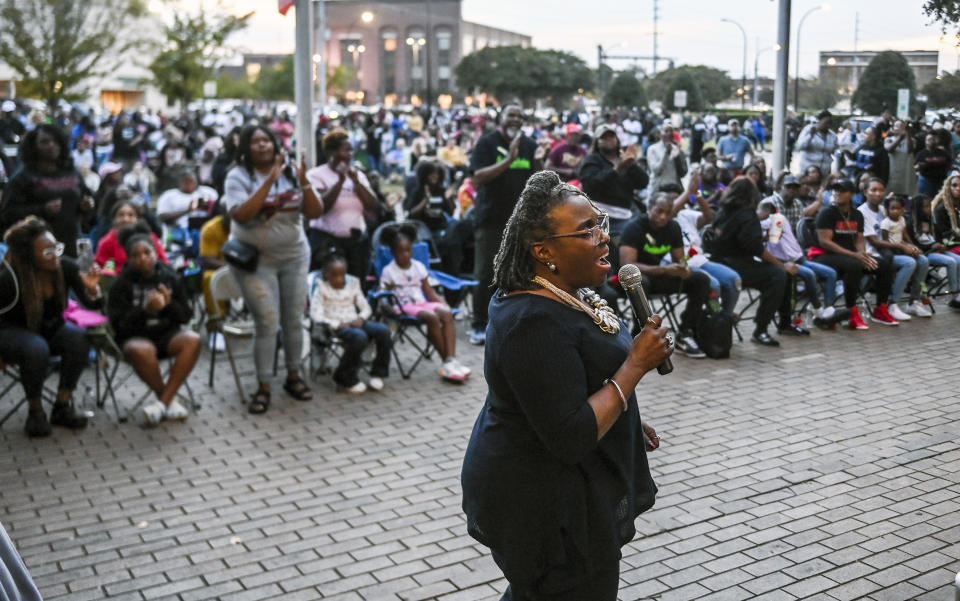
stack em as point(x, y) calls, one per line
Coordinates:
point(56, 251)
point(597, 232)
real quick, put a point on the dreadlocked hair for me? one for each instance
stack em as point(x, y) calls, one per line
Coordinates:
point(513, 267)
point(946, 197)
point(20, 239)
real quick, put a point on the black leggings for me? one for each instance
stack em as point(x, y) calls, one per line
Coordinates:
point(32, 353)
point(601, 586)
point(696, 287)
point(769, 279)
point(851, 271)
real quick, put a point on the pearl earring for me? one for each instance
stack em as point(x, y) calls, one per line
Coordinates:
point(552, 267)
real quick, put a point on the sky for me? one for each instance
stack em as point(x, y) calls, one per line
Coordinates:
point(691, 31)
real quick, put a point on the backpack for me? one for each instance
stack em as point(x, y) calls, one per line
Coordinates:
point(715, 334)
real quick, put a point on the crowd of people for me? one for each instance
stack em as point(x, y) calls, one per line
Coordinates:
point(133, 201)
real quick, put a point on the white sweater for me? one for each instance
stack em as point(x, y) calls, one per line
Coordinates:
point(334, 306)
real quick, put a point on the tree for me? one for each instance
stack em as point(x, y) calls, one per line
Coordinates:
point(510, 72)
point(886, 73)
point(57, 47)
point(626, 91)
point(944, 91)
point(715, 85)
point(230, 87)
point(193, 42)
point(276, 82)
point(818, 94)
point(685, 80)
point(945, 11)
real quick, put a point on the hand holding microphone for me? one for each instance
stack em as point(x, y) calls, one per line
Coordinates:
point(632, 282)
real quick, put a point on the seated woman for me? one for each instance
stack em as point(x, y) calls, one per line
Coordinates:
point(147, 306)
point(842, 246)
point(33, 294)
point(338, 302)
point(125, 213)
point(922, 232)
point(739, 240)
point(435, 207)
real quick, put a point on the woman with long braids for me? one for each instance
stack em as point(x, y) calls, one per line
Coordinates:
point(946, 214)
point(34, 281)
point(267, 199)
point(556, 469)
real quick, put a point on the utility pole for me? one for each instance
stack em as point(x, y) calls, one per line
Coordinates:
point(320, 50)
point(303, 83)
point(656, 33)
point(601, 84)
point(856, 48)
point(429, 49)
point(779, 133)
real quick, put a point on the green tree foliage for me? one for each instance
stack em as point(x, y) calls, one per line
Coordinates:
point(230, 87)
point(527, 74)
point(944, 92)
point(715, 85)
point(685, 80)
point(877, 90)
point(276, 83)
point(57, 47)
point(625, 91)
point(947, 12)
point(192, 44)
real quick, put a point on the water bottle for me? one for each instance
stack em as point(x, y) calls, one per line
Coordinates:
point(84, 254)
point(776, 227)
point(87, 402)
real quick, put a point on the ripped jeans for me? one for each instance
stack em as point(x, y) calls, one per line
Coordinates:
point(276, 294)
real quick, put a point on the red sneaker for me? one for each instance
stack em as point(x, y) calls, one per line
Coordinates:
point(856, 322)
point(882, 315)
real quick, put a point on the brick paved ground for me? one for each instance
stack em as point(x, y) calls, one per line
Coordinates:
point(828, 470)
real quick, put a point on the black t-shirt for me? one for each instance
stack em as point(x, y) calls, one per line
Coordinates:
point(496, 199)
point(845, 226)
point(28, 193)
point(652, 245)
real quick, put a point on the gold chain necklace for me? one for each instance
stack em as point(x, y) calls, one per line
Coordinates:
point(598, 310)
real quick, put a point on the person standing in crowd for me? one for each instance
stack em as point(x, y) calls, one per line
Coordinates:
point(664, 159)
point(612, 177)
point(346, 194)
point(841, 246)
point(932, 164)
point(899, 147)
point(872, 157)
point(47, 186)
point(435, 205)
point(265, 197)
point(739, 242)
point(567, 156)
point(127, 139)
point(502, 161)
point(817, 143)
point(732, 148)
point(34, 282)
point(646, 241)
point(556, 469)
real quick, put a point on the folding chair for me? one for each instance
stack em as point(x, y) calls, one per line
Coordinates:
point(387, 307)
point(324, 344)
point(47, 394)
point(224, 287)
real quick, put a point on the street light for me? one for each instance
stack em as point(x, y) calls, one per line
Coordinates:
point(366, 16)
point(356, 50)
point(743, 77)
point(796, 75)
point(756, 61)
point(415, 45)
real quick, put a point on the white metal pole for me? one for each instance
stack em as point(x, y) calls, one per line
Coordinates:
point(779, 133)
point(321, 51)
point(303, 83)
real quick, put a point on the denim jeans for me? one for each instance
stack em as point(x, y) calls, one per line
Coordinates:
point(952, 263)
point(32, 352)
point(928, 187)
point(487, 243)
point(276, 294)
point(811, 271)
point(354, 341)
point(724, 281)
point(907, 266)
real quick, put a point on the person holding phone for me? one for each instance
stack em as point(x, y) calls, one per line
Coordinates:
point(345, 193)
point(267, 200)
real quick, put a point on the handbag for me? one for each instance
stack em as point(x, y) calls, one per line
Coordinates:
point(241, 255)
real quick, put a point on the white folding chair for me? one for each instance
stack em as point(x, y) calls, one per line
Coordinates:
point(224, 288)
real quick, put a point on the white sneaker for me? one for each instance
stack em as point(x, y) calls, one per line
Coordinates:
point(462, 369)
point(449, 371)
point(375, 384)
point(358, 388)
point(919, 309)
point(897, 313)
point(827, 312)
point(176, 411)
point(154, 412)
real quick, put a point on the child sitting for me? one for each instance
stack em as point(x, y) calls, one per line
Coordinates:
point(893, 229)
point(125, 213)
point(338, 302)
point(147, 305)
point(407, 279)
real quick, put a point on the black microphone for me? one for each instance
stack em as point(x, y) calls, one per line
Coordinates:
point(632, 282)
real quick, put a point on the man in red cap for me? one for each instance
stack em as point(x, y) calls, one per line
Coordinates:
point(566, 156)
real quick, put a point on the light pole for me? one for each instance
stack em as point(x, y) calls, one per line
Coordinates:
point(743, 77)
point(356, 50)
point(415, 45)
point(796, 74)
point(756, 61)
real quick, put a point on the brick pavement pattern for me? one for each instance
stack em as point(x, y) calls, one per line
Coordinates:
point(828, 469)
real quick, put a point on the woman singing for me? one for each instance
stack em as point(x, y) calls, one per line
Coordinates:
point(556, 469)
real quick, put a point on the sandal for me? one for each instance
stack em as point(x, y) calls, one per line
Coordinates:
point(260, 402)
point(298, 389)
